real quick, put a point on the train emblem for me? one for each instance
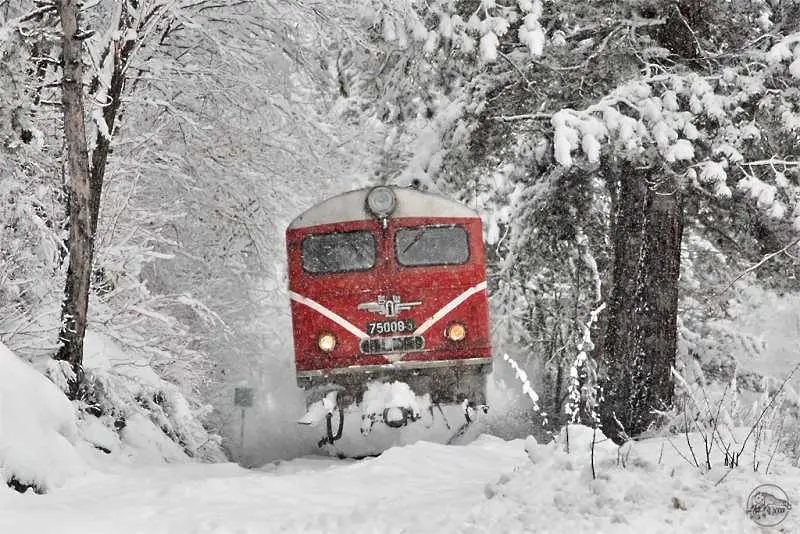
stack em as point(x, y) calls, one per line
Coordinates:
point(388, 307)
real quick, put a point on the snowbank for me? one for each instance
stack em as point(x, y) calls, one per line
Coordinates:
point(131, 415)
point(488, 486)
point(37, 428)
point(650, 486)
point(421, 488)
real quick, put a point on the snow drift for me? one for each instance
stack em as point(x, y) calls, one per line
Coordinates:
point(582, 482)
point(38, 430)
point(129, 415)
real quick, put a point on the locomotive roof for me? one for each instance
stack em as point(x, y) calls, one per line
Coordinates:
point(352, 206)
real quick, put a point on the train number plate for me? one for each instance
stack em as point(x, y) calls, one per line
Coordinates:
point(376, 328)
point(385, 345)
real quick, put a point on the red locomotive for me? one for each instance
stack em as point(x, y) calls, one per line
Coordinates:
point(388, 284)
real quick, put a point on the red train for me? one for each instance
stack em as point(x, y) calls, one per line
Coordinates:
point(388, 283)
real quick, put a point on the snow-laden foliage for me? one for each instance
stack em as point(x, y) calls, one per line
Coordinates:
point(33, 259)
point(647, 484)
point(130, 411)
point(29, 254)
point(740, 369)
point(31, 200)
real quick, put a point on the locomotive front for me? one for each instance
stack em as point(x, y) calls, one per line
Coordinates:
point(388, 285)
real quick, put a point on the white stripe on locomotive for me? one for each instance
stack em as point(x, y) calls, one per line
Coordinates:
point(447, 308)
point(333, 316)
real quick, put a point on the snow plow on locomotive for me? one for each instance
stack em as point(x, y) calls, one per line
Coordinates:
point(388, 286)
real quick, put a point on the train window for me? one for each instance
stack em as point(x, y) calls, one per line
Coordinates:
point(338, 252)
point(431, 245)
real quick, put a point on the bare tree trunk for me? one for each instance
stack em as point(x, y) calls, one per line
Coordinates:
point(641, 336)
point(76, 289)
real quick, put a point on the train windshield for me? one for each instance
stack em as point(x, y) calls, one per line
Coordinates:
point(338, 252)
point(431, 245)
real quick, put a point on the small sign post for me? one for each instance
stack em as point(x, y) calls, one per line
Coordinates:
point(242, 397)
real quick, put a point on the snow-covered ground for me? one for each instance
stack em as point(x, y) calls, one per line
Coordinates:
point(659, 485)
point(488, 486)
point(418, 488)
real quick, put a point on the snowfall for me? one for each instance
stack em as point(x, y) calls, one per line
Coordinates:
point(579, 482)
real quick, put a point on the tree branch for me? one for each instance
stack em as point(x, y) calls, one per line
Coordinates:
point(763, 260)
point(523, 117)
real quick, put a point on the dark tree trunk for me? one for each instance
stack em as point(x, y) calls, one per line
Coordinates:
point(641, 335)
point(76, 289)
point(120, 51)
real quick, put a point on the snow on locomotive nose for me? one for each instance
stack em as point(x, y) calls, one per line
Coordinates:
point(388, 285)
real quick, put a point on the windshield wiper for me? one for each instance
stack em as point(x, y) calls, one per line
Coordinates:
point(414, 241)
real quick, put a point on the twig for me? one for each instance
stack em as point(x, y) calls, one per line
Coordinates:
point(516, 67)
point(775, 450)
point(752, 268)
point(714, 428)
point(623, 434)
point(686, 433)
point(707, 447)
point(601, 47)
point(700, 50)
point(681, 453)
point(594, 433)
point(38, 13)
point(755, 448)
point(771, 162)
point(772, 400)
point(718, 482)
point(523, 117)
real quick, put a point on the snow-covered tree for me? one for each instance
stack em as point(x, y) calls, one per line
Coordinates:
point(591, 134)
point(32, 210)
point(206, 133)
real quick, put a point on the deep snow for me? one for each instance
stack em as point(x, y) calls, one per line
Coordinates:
point(488, 486)
point(419, 488)
point(38, 431)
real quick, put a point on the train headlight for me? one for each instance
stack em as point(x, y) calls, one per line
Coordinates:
point(455, 331)
point(381, 201)
point(326, 342)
